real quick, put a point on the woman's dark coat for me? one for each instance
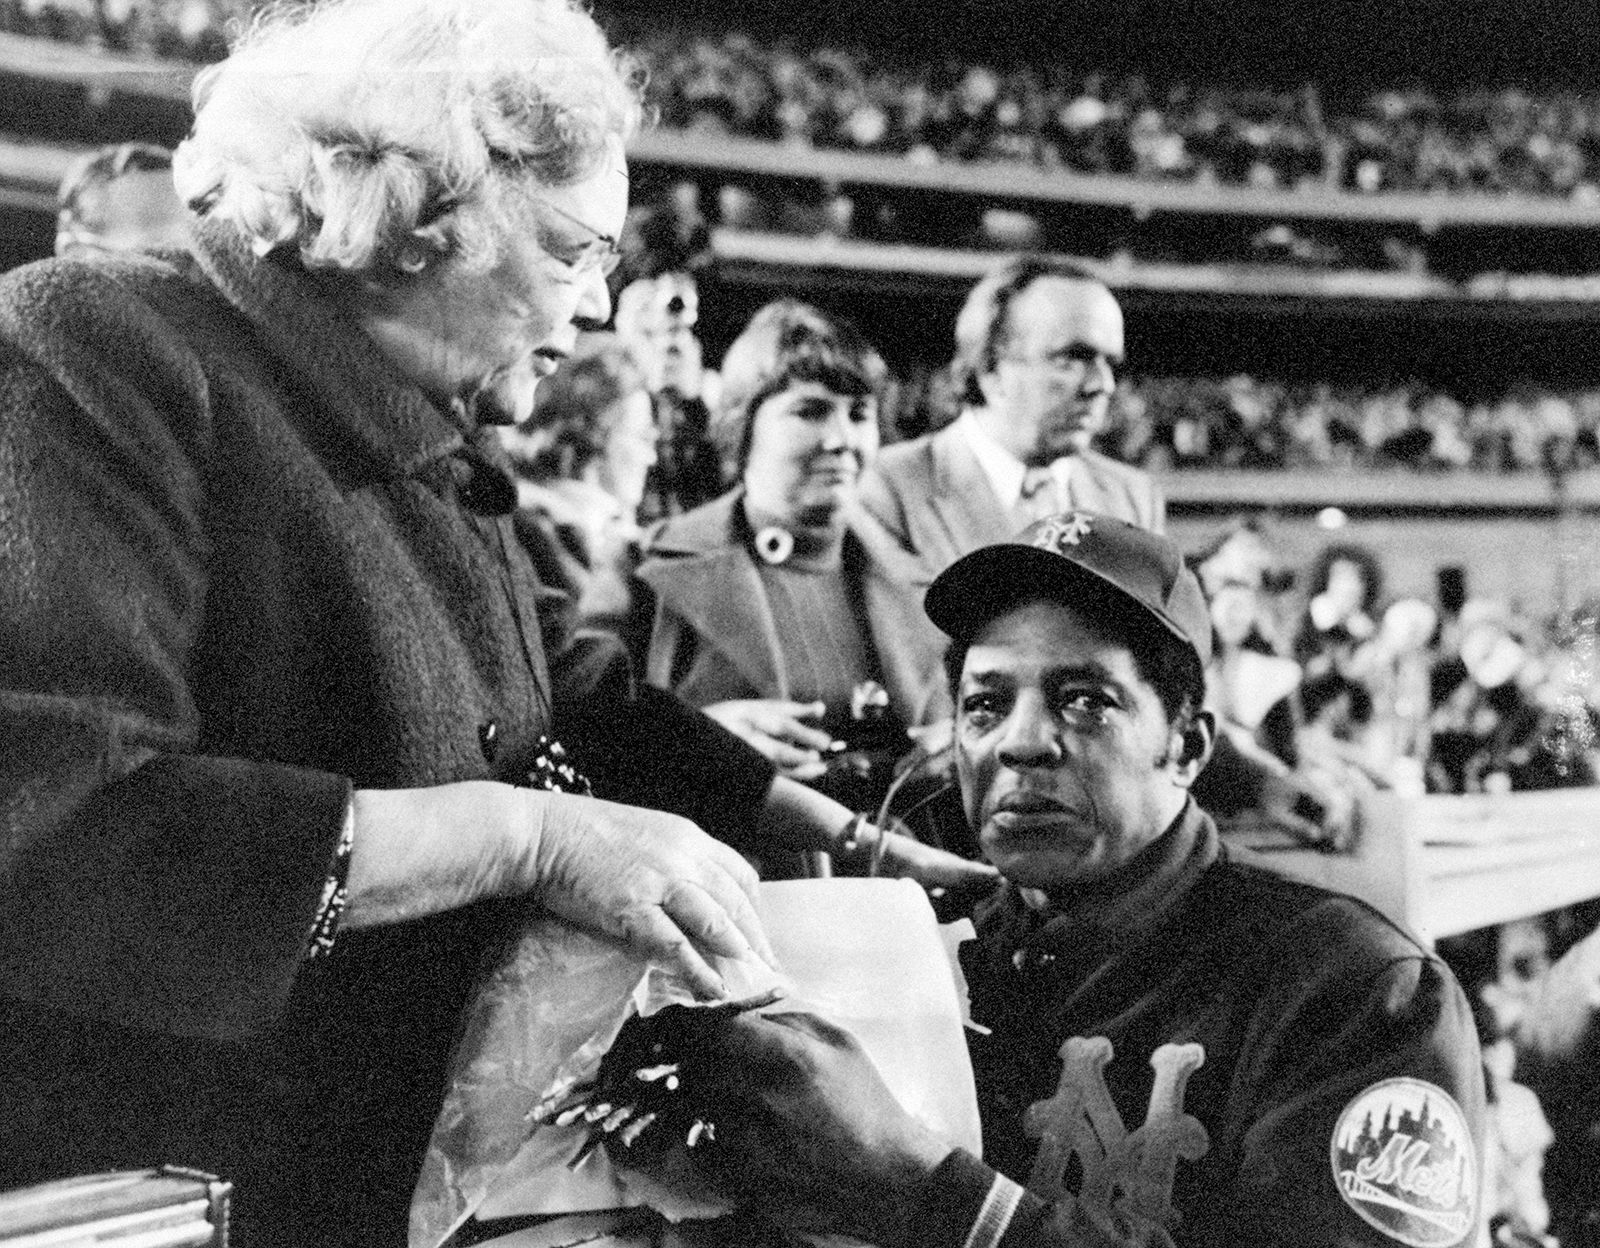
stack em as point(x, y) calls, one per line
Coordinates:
point(244, 569)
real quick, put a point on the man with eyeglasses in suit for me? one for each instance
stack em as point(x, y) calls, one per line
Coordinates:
point(1038, 343)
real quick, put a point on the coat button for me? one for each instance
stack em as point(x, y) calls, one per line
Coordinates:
point(489, 739)
point(1032, 961)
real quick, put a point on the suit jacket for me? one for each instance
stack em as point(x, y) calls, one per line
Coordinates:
point(932, 495)
point(713, 637)
point(244, 567)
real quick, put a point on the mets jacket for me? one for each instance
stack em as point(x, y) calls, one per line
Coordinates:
point(1208, 1050)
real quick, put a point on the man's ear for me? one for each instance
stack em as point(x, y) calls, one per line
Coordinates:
point(988, 384)
point(1189, 750)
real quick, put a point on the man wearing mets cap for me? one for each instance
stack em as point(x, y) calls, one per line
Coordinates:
point(1171, 1045)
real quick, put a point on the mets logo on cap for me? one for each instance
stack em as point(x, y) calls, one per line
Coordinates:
point(1059, 532)
point(1403, 1159)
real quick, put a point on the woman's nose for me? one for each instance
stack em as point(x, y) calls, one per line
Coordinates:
point(836, 430)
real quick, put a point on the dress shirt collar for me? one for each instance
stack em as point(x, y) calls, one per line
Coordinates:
point(1003, 470)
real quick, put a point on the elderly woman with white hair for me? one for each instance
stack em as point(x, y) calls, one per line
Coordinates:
point(280, 699)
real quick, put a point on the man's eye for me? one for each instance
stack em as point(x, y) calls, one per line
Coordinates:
point(979, 710)
point(1085, 703)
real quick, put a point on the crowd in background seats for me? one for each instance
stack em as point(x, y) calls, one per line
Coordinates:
point(189, 30)
point(1263, 423)
point(1051, 115)
point(1506, 141)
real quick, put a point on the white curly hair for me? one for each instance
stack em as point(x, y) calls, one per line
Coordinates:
point(350, 128)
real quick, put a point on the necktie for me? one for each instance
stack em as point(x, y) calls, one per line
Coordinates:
point(1041, 494)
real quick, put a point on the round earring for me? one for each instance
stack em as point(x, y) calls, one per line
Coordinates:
point(774, 544)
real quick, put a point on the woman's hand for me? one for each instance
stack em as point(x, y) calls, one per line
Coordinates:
point(652, 880)
point(780, 731)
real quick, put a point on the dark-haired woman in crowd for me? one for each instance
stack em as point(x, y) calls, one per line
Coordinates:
point(1332, 643)
point(781, 609)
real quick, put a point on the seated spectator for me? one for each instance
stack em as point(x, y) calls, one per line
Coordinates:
point(782, 609)
point(1250, 687)
point(1332, 643)
point(1504, 971)
point(1499, 724)
point(580, 468)
point(1403, 653)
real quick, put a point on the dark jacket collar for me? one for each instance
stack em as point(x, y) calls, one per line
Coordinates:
point(326, 353)
point(1122, 908)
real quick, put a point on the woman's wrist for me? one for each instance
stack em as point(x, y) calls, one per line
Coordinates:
point(860, 839)
point(418, 852)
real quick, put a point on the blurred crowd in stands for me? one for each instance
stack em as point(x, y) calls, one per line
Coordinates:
point(188, 30)
point(1454, 695)
point(1251, 422)
point(1049, 115)
point(1506, 141)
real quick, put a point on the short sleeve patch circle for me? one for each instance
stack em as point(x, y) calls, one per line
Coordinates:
point(1403, 1159)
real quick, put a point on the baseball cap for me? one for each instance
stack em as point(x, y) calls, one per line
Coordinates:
point(1065, 556)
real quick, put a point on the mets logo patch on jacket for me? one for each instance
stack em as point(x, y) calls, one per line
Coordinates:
point(1403, 1160)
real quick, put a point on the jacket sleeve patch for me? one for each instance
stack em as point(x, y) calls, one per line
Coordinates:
point(1404, 1161)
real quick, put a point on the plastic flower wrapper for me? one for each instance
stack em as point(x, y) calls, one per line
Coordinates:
point(865, 953)
point(538, 1024)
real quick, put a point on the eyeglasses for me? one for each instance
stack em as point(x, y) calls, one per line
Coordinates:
point(1062, 362)
point(601, 251)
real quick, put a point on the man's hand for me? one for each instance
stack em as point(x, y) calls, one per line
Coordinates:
point(653, 881)
point(804, 1125)
point(779, 730)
